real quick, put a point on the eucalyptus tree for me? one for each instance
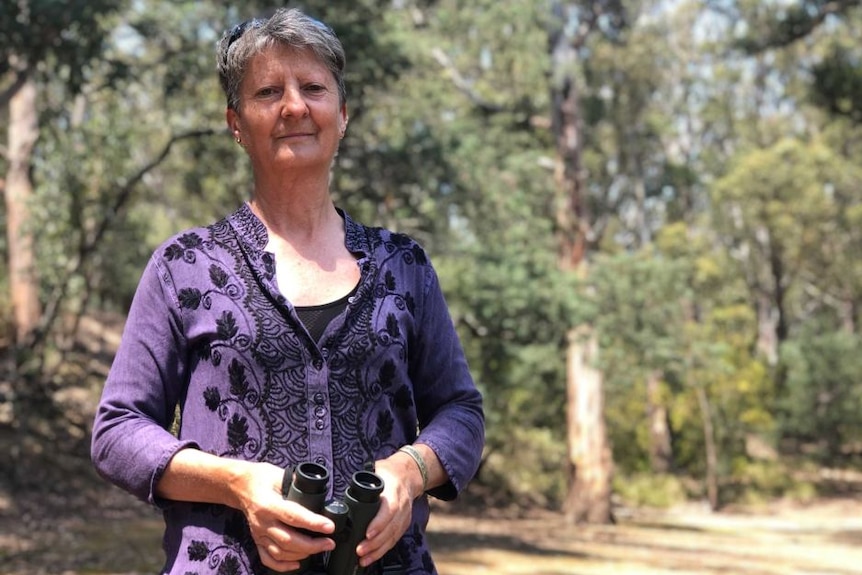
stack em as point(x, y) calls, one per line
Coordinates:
point(37, 40)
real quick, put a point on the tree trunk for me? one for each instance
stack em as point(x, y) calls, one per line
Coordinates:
point(572, 217)
point(711, 449)
point(590, 461)
point(23, 132)
point(660, 449)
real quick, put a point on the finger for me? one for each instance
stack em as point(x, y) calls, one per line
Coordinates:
point(295, 515)
point(294, 544)
point(270, 556)
point(379, 539)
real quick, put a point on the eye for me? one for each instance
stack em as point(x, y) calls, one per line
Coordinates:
point(315, 88)
point(266, 91)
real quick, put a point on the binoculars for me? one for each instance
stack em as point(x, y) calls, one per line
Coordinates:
point(307, 486)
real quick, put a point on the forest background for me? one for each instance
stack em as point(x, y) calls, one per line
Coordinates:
point(670, 191)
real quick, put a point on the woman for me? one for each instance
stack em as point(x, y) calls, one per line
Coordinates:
point(287, 332)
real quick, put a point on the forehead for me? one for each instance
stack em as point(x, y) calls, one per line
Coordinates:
point(282, 59)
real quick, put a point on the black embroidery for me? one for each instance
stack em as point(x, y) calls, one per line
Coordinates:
point(389, 282)
point(387, 374)
point(212, 398)
point(218, 276)
point(190, 298)
point(230, 566)
point(191, 241)
point(385, 423)
point(226, 326)
point(238, 382)
point(257, 358)
point(403, 398)
point(198, 551)
point(237, 432)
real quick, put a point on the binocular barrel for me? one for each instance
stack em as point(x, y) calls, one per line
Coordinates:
point(363, 502)
point(307, 486)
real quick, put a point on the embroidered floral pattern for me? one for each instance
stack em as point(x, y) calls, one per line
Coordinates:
point(258, 364)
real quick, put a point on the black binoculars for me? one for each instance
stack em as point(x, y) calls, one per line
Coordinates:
point(307, 485)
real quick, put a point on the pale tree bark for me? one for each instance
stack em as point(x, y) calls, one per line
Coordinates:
point(660, 448)
point(23, 131)
point(590, 460)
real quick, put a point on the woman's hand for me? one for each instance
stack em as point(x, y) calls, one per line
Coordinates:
point(255, 489)
point(275, 523)
point(402, 484)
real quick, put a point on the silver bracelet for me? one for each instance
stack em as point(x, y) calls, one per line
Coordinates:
point(420, 462)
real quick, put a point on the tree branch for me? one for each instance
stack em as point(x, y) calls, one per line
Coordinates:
point(52, 306)
point(462, 84)
point(9, 91)
point(126, 189)
point(798, 25)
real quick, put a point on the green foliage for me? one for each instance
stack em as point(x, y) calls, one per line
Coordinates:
point(758, 482)
point(723, 191)
point(526, 472)
point(824, 399)
point(650, 490)
point(69, 32)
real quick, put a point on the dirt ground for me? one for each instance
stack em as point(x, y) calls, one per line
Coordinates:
point(100, 530)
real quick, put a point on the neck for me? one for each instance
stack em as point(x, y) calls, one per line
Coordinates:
point(294, 208)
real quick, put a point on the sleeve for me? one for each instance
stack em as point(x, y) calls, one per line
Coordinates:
point(449, 406)
point(132, 444)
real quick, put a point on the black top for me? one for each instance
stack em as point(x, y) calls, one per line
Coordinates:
point(317, 317)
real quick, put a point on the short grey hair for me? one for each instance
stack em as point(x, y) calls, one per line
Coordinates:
point(286, 27)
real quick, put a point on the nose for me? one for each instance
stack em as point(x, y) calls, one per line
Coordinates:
point(293, 104)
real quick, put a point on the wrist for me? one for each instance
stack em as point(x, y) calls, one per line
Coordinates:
point(419, 464)
point(239, 477)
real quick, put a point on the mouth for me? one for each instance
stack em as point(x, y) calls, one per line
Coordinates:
point(294, 136)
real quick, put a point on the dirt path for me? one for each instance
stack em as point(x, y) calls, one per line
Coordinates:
point(109, 534)
point(821, 539)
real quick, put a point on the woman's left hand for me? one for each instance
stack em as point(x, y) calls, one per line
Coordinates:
point(402, 484)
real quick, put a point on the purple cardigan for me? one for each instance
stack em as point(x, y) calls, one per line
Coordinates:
point(209, 331)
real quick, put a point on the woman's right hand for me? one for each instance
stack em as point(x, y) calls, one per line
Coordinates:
point(255, 489)
point(275, 523)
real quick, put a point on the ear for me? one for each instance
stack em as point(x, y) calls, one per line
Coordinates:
point(232, 119)
point(344, 119)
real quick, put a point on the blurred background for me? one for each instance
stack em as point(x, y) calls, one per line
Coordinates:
point(646, 216)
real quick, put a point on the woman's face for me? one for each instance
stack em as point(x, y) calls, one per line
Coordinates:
point(289, 112)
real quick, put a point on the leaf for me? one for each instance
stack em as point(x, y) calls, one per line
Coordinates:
point(212, 398)
point(218, 276)
point(385, 424)
point(198, 551)
point(237, 431)
point(238, 382)
point(191, 241)
point(230, 566)
point(174, 252)
point(387, 374)
point(190, 298)
point(226, 326)
point(403, 398)
point(389, 280)
point(392, 326)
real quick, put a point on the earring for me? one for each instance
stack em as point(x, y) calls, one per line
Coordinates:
point(239, 140)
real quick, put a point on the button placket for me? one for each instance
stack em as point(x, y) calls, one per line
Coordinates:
point(320, 430)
